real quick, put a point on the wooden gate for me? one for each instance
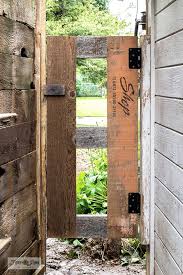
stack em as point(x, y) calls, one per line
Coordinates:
point(120, 137)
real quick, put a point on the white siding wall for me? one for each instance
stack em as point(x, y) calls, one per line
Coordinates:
point(169, 137)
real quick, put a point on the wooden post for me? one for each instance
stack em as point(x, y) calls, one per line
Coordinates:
point(122, 137)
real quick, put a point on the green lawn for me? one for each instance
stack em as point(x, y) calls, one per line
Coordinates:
point(91, 107)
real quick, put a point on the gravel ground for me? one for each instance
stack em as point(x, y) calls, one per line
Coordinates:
point(58, 263)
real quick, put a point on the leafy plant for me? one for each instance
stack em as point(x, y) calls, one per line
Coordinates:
point(92, 185)
point(132, 252)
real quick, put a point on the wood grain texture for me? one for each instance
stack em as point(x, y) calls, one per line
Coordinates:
point(168, 113)
point(17, 175)
point(170, 237)
point(164, 259)
point(4, 244)
point(169, 82)
point(32, 251)
point(172, 15)
point(157, 269)
point(145, 128)
point(16, 36)
point(61, 132)
point(168, 51)
point(16, 72)
point(164, 199)
point(169, 143)
point(17, 141)
point(23, 103)
point(91, 226)
point(91, 137)
point(122, 137)
point(91, 47)
point(22, 11)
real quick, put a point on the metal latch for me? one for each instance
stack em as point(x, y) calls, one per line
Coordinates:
point(55, 90)
point(134, 203)
point(135, 58)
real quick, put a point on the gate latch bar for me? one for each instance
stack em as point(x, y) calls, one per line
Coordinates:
point(55, 90)
point(134, 58)
point(134, 203)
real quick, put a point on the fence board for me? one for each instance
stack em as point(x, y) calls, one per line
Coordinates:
point(61, 131)
point(122, 137)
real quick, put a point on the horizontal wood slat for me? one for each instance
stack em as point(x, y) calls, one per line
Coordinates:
point(15, 37)
point(168, 113)
point(172, 15)
point(169, 143)
point(162, 4)
point(169, 82)
point(162, 256)
point(91, 137)
point(16, 72)
point(122, 137)
point(23, 103)
point(17, 10)
point(61, 130)
point(17, 141)
point(170, 237)
point(17, 175)
point(91, 226)
point(168, 52)
point(169, 173)
point(163, 199)
point(91, 47)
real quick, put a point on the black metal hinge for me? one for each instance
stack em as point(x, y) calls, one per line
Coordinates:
point(134, 203)
point(135, 58)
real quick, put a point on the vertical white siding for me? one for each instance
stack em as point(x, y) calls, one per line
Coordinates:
point(168, 20)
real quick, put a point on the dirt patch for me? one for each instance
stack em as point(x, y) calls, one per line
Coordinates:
point(65, 259)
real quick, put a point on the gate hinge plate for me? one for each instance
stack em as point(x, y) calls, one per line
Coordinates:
point(54, 90)
point(135, 58)
point(134, 203)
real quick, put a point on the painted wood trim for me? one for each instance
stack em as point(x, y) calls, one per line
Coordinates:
point(91, 137)
point(145, 128)
point(91, 47)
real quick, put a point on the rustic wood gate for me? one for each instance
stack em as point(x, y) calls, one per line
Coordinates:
point(121, 137)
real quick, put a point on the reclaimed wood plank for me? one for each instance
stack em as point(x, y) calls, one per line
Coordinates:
point(170, 237)
point(168, 113)
point(16, 72)
point(23, 103)
point(16, 38)
point(122, 137)
point(61, 131)
point(169, 143)
point(91, 226)
point(169, 82)
point(91, 47)
point(169, 173)
point(173, 213)
point(91, 137)
point(172, 15)
point(164, 259)
point(32, 251)
point(17, 175)
point(22, 11)
point(17, 141)
point(145, 128)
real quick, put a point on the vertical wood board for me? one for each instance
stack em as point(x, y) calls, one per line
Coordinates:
point(122, 136)
point(61, 131)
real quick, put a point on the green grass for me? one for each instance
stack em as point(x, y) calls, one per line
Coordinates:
point(91, 107)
